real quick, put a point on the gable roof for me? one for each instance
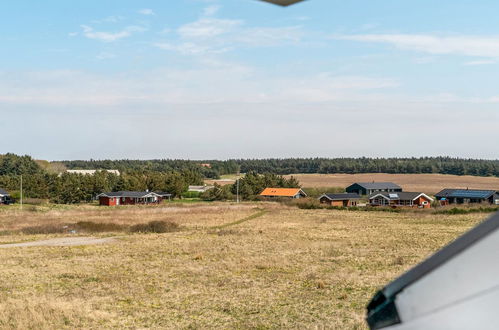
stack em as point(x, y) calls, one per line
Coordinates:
point(163, 193)
point(377, 185)
point(466, 193)
point(3, 192)
point(282, 192)
point(130, 194)
point(405, 196)
point(340, 197)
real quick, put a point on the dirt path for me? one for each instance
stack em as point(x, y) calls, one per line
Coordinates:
point(63, 241)
point(251, 217)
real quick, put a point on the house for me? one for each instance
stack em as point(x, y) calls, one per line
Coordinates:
point(91, 172)
point(340, 200)
point(283, 192)
point(131, 198)
point(368, 188)
point(200, 189)
point(401, 199)
point(467, 196)
point(4, 197)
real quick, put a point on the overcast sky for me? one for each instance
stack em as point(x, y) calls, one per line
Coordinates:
point(241, 78)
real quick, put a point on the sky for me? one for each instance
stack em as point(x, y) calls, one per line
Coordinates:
point(220, 79)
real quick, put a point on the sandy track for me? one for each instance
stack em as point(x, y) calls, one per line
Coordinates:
point(63, 241)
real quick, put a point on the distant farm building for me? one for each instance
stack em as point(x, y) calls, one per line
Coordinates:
point(207, 165)
point(4, 197)
point(92, 172)
point(283, 193)
point(132, 198)
point(467, 196)
point(368, 188)
point(401, 199)
point(200, 189)
point(340, 200)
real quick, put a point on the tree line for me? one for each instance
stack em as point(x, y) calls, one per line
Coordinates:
point(67, 188)
point(427, 165)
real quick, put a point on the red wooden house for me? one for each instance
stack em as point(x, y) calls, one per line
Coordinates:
point(132, 198)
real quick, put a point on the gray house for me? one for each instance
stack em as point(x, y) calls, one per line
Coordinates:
point(369, 188)
point(467, 196)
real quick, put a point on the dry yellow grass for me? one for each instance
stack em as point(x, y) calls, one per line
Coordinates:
point(287, 268)
point(428, 183)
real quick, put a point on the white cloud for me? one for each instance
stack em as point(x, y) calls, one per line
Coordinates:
point(105, 56)
point(208, 28)
point(480, 62)
point(146, 11)
point(90, 33)
point(212, 81)
point(458, 45)
point(211, 10)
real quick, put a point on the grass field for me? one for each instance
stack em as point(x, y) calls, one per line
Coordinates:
point(228, 266)
point(428, 183)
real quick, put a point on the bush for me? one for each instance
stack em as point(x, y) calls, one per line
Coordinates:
point(456, 210)
point(98, 227)
point(45, 229)
point(155, 227)
point(191, 194)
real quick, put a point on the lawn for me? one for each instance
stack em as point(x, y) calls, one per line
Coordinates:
point(250, 265)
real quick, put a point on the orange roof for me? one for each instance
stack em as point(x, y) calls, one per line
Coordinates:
point(284, 192)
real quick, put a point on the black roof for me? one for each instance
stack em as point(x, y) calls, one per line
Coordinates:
point(341, 197)
point(381, 311)
point(131, 194)
point(378, 185)
point(3, 192)
point(405, 196)
point(465, 193)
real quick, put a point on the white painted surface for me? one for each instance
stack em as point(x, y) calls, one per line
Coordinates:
point(477, 312)
point(457, 282)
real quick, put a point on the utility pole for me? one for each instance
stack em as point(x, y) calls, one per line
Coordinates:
point(21, 192)
point(237, 187)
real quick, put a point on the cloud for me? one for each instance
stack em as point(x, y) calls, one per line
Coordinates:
point(439, 45)
point(146, 11)
point(480, 62)
point(90, 33)
point(210, 81)
point(105, 56)
point(211, 10)
point(208, 28)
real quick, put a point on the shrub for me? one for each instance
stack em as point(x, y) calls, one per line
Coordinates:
point(456, 210)
point(155, 227)
point(191, 194)
point(98, 227)
point(45, 229)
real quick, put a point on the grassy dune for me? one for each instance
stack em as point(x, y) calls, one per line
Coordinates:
point(228, 266)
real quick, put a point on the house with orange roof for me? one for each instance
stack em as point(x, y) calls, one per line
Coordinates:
point(283, 193)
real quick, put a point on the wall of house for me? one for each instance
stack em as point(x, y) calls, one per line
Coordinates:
point(356, 189)
point(421, 200)
point(106, 201)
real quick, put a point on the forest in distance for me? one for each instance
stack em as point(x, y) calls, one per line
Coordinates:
point(285, 166)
